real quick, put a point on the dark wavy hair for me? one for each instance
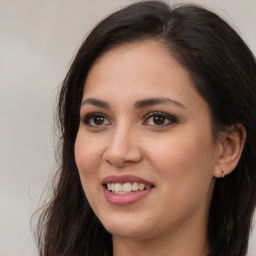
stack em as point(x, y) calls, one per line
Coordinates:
point(223, 70)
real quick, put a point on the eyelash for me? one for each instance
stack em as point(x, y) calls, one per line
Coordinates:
point(163, 116)
point(170, 118)
point(86, 120)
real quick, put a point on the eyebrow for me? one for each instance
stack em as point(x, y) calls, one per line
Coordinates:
point(138, 104)
point(154, 101)
point(96, 102)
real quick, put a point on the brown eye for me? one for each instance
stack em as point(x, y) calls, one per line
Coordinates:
point(95, 120)
point(98, 120)
point(159, 119)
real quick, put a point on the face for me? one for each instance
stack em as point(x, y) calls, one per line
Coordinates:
point(145, 149)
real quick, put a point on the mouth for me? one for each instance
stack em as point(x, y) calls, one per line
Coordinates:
point(126, 189)
point(126, 184)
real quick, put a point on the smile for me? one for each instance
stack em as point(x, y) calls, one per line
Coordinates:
point(126, 189)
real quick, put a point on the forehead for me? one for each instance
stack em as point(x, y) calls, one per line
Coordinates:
point(135, 62)
point(140, 69)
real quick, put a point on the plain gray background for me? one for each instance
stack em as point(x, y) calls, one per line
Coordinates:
point(37, 42)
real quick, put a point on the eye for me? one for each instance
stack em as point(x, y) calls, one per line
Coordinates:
point(159, 119)
point(95, 120)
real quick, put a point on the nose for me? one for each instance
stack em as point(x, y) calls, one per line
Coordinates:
point(123, 148)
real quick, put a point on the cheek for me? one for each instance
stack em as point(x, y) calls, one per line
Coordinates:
point(87, 157)
point(185, 170)
point(185, 162)
point(87, 161)
point(86, 154)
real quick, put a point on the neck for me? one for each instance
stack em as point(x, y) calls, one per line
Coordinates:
point(162, 248)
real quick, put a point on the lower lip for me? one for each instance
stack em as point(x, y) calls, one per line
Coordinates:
point(125, 199)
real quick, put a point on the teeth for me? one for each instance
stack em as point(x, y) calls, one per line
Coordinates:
point(135, 186)
point(126, 188)
point(118, 187)
point(141, 186)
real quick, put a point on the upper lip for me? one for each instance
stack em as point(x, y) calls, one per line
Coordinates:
point(124, 179)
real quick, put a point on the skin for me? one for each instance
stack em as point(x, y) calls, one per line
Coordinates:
point(181, 156)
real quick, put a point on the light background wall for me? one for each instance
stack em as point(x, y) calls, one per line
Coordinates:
point(37, 42)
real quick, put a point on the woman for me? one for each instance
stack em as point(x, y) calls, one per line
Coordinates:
point(158, 119)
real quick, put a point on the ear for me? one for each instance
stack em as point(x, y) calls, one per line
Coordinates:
point(231, 143)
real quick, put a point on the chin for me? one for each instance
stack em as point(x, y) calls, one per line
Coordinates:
point(131, 233)
point(126, 228)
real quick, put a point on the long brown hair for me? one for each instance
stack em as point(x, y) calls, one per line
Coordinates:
point(223, 70)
